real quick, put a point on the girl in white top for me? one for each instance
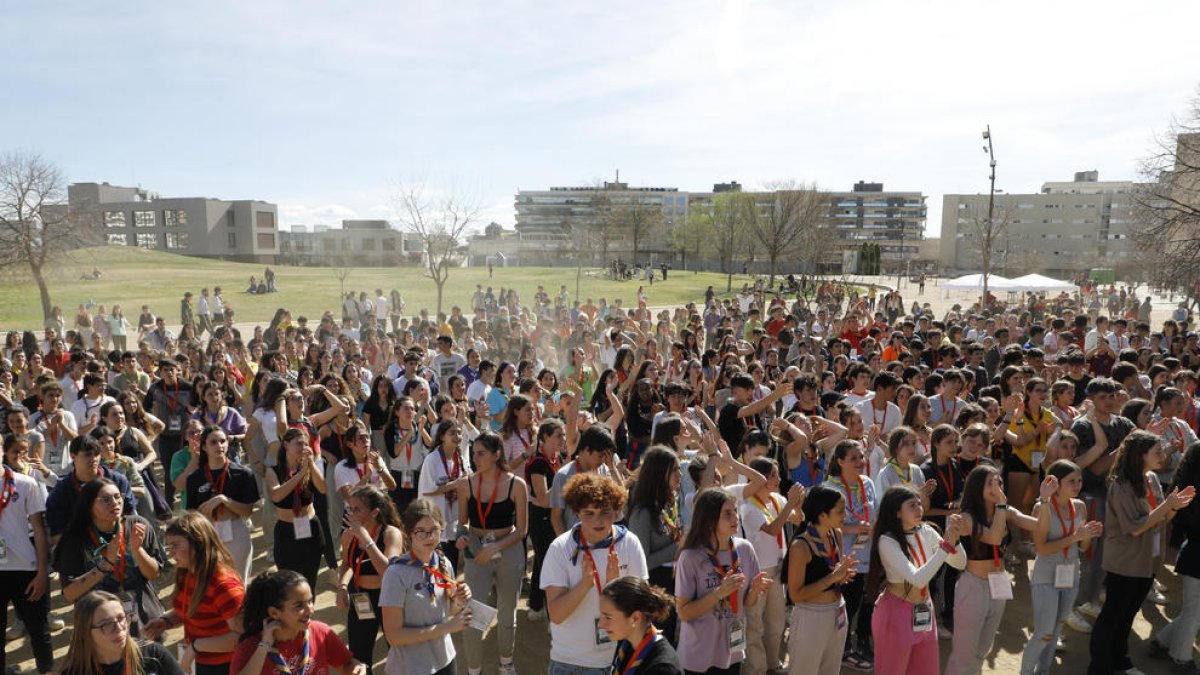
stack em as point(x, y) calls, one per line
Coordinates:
point(909, 554)
point(444, 465)
point(363, 466)
point(900, 467)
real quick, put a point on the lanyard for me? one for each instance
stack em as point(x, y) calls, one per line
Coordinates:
point(947, 478)
point(9, 492)
point(296, 496)
point(360, 555)
point(770, 516)
point(282, 666)
point(919, 559)
point(479, 510)
point(119, 566)
point(865, 517)
point(638, 655)
point(882, 425)
point(1071, 512)
point(1150, 495)
point(217, 487)
point(172, 403)
point(434, 578)
point(581, 545)
point(905, 477)
point(827, 546)
point(953, 408)
point(723, 571)
point(996, 555)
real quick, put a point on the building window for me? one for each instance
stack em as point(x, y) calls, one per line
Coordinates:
point(147, 240)
point(143, 219)
point(114, 219)
point(266, 240)
point(174, 217)
point(389, 244)
point(368, 244)
point(117, 240)
point(265, 220)
point(233, 240)
point(177, 240)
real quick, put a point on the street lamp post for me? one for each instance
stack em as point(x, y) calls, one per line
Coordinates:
point(987, 255)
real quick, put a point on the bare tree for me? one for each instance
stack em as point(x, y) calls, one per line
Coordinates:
point(988, 235)
point(639, 220)
point(724, 223)
point(793, 221)
point(36, 228)
point(439, 222)
point(604, 226)
point(341, 271)
point(1167, 226)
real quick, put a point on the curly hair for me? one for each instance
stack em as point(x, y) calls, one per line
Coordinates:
point(594, 490)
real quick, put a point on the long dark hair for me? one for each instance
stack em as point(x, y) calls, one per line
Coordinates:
point(1188, 472)
point(972, 502)
point(652, 489)
point(81, 517)
point(889, 524)
point(269, 589)
point(1130, 465)
point(705, 516)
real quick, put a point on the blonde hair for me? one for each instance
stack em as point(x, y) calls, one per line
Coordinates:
point(208, 554)
point(81, 656)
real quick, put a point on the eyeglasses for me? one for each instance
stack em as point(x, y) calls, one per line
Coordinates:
point(108, 500)
point(427, 534)
point(113, 625)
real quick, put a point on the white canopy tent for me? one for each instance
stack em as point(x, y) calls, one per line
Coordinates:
point(974, 282)
point(1037, 282)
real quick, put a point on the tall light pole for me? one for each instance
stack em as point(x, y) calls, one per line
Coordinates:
point(987, 255)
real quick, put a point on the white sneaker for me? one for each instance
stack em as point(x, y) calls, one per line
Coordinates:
point(1076, 622)
point(1089, 609)
point(1133, 671)
point(1059, 647)
point(56, 623)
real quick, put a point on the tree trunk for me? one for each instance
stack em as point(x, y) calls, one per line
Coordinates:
point(440, 283)
point(771, 261)
point(729, 280)
point(43, 290)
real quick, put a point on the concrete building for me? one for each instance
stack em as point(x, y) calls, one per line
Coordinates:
point(495, 244)
point(1064, 230)
point(867, 214)
point(357, 242)
point(612, 219)
point(244, 230)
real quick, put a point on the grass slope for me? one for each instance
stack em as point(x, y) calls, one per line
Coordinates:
point(133, 277)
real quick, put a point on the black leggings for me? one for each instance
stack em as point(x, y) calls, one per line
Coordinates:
point(857, 603)
point(303, 555)
point(1109, 645)
point(34, 613)
point(541, 535)
point(664, 578)
point(361, 634)
point(321, 504)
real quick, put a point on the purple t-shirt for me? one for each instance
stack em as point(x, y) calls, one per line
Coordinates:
point(704, 641)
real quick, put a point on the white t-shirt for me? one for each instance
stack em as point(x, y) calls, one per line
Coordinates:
point(478, 391)
point(344, 474)
point(574, 640)
point(269, 422)
point(28, 499)
point(433, 476)
point(87, 410)
point(55, 455)
point(855, 399)
point(767, 547)
point(887, 420)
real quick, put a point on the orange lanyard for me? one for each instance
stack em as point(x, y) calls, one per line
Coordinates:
point(919, 559)
point(1071, 512)
point(770, 516)
point(483, 515)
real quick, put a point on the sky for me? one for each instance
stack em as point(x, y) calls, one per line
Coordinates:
point(328, 109)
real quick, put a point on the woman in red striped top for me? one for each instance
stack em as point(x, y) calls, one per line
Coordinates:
point(208, 596)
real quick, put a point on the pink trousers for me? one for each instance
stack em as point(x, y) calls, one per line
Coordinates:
point(898, 649)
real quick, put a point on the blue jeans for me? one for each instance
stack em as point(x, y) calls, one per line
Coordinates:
point(1179, 635)
point(1050, 608)
point(559, 668)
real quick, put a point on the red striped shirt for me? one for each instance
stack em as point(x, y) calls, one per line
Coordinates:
point(222, 601)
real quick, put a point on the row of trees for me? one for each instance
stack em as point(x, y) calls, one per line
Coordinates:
point(787, 222)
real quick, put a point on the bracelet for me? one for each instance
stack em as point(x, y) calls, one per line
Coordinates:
point(268, 647)
point(1002, 507)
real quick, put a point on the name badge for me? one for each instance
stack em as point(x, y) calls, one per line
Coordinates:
point(1038, 458)
point(488, 539)
point(362, 606)
point(302, 528)
point(174, 424)
point(1000, 585)
point(225, 530)
point(406, 480)
point(1064, 575)
point(601, 634)
point(922, 621)
point(737, 635)
point(130, 605)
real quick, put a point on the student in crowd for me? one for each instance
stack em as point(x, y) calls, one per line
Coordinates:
point(1176, 639)
point(539, 477)
point(578, 564)
point(491, 535)
point(908, 553)
point(105, 549)
point(717, 579)
point(900, 467)
point(280, 633)
point(85, 466)
point(225, 492)
point(1135, 512)
point(406, 441)
point(817, 570)
point(208, 596)
point(443, 467)
point(858, 490)
point(290, 486)
point(101, 643)
point(372, 538)
point(420, 602)
point(629, 609)
point(24, 569)
point(1062, 526)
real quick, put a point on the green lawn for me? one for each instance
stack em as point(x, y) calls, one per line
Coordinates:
point(133, 277)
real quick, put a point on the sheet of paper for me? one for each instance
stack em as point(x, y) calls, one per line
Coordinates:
point(482, 616)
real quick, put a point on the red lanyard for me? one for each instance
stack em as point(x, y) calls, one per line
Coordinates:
point(947, 478)
point(1150, 495)
point(172, 404)
point(581, 544)
point(491, 501)
point(408, 445)
point(921, 559)
point(723, 571)
point(945, 415)
point(362, 468)
point(360, 555)
point(1071, 511)
point(865, 517)
point(524, 443)
point(996, 555)
point(882, 425)
point(217, 488)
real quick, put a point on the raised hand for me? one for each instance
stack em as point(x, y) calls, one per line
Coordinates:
point(1048, 488)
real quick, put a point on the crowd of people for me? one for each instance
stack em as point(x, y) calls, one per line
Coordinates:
point(761, 484)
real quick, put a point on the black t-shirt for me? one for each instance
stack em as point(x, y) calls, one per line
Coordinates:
point(949, 488)
point(156, 660)
point(306, 493)
point(75, 556)
point(379, 416)
point(732, 427)
point(238, 484)
point(1080, 390)
point(538, 466)
point(1114, 432)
